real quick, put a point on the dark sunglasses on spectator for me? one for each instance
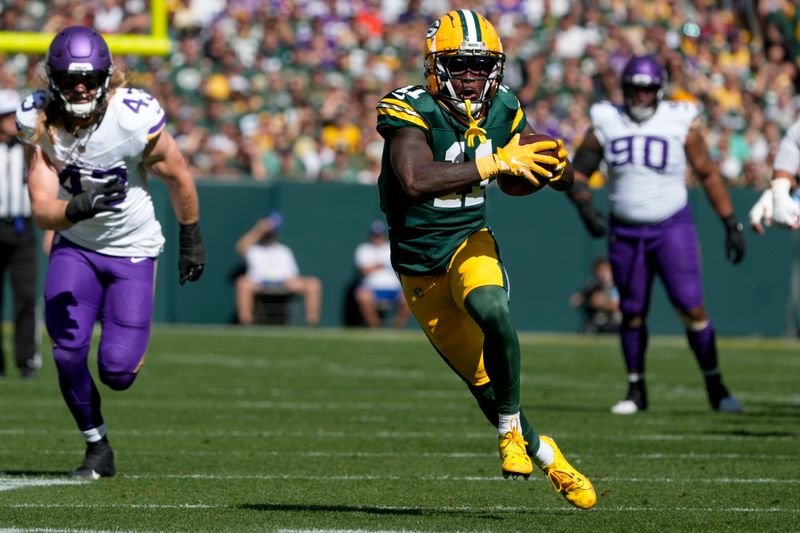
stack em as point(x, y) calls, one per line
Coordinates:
point(69, 80)
point(458, 65)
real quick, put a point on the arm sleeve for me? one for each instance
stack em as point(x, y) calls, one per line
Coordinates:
point(788, 157)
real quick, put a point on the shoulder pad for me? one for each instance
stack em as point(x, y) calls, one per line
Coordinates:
point(405, 106)
point(506, 98)
point(415, 96)
point(137, 110)
point(28, 113)
point(602, 110)
point(681, 110)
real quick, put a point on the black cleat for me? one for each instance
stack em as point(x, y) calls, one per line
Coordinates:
point(635, 401)
point(719, 397)
point(98, 461)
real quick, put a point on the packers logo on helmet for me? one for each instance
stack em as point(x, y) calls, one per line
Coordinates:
point(463, 45)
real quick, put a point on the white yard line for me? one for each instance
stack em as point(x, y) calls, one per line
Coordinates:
point(11, 483)
point(149, 434)
point(436, 455)
point(21, 482)
point(431, 510)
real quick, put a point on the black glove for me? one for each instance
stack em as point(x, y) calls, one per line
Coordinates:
point(593, 219)
point(192, 253)
point(734, 240)
point(102, 198)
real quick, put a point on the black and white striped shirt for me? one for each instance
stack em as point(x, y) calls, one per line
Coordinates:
point(14, 199)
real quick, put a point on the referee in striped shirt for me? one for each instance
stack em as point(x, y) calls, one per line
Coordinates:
point(18, 250)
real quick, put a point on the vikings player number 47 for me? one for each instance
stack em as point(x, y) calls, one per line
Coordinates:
point(71, 177)
point(142, 99)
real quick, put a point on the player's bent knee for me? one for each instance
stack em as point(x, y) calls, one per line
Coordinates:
point(118, 380)
point(69, 359)
point(693, 320)
point(632, 321)
point(488, 306)
point(694, 325)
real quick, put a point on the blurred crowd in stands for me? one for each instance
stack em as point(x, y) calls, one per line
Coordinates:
point(285, 90)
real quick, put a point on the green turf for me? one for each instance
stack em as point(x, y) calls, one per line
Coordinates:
point(231, 429)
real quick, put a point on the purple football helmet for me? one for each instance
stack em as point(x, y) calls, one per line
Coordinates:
point(642, 72)
point(79, 55)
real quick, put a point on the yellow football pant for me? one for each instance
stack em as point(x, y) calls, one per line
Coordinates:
point(438, 304)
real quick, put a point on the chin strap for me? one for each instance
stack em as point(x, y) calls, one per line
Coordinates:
point(474, 130)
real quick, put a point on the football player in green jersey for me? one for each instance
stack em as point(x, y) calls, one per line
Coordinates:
point(445, 141)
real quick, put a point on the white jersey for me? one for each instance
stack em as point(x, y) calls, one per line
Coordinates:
point(112, 148)
point(646, 160)
point(788, 157)
point(368, 255)
point(270, 263)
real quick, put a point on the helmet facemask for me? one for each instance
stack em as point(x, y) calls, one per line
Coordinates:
point(79, 56)
point(637, 112)
point(463, 46)
point(466, 67)
point(642, 72)
point(63, 83)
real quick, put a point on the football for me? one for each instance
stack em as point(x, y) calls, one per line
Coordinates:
point(517, 185)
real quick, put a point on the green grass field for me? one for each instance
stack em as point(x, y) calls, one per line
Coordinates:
point(231, 429)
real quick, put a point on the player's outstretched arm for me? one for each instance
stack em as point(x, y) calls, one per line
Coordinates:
point(708, 174)
point(786, 212)
point(587, 160)
point(164, 159)
point(760, 215)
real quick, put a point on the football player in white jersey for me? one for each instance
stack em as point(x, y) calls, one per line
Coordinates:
point(777, 204)
point(90, 143)
point(647, 144)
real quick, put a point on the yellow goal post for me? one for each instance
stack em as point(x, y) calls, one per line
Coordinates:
point(155, 44)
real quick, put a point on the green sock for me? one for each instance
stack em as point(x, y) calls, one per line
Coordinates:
point(488, 306)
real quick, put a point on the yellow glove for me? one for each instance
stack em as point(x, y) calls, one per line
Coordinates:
point(558, 171)
point(519, 160)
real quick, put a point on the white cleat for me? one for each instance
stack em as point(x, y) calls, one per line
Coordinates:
point(625, 407)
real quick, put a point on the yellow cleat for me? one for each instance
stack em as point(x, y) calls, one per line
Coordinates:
point(514, 455)
point(573, 485)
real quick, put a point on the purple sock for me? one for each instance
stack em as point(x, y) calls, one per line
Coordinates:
point(634, 345)
point(77, 387)
point(704, 346)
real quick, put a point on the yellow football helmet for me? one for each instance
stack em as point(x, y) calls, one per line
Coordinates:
point(463, 45)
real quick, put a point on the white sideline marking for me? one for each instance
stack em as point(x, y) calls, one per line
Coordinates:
point(8, 483)
point(345, 531)
point(431, 510)
point(288, 477)
point(396, 435)
point(438, 455)
point(60, 530)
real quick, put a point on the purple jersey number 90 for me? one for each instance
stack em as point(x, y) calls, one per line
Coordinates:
point(654, 150)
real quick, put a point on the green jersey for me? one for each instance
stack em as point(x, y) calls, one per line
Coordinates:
point(425, 234)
